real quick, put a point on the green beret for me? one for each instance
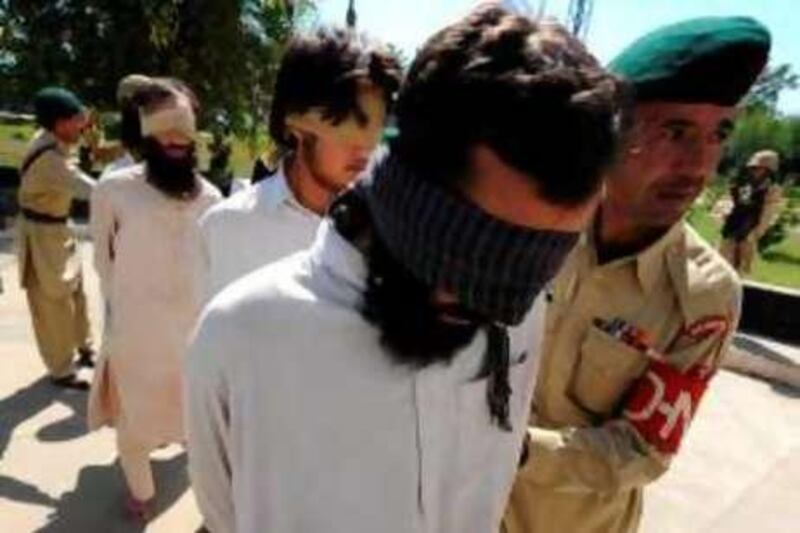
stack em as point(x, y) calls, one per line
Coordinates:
point(711, 60)
point(55, 103)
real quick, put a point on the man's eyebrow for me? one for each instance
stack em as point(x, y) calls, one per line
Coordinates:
point(726, 125)
point(677, 123)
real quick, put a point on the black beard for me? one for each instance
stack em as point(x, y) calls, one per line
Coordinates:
point(413, 328)
point(175, 177)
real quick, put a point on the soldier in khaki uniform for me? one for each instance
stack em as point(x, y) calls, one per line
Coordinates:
point(644, 309)
point(48, 255)
point(756, 202)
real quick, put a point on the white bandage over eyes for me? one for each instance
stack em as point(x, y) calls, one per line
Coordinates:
point(349, 131)
point(176, 115)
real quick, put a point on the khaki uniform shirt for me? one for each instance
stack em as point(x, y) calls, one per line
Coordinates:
point(48, 187)
point(586, 465)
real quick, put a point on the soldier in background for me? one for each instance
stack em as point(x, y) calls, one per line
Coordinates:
point(756, 201)
point(48, 255)
point(130, 136)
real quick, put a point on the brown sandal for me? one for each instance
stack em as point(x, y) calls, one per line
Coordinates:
point(140, 511)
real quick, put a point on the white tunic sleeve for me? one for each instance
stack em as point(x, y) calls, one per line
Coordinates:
point(82, 184)
point(202, 271)
point(102, 226)
point(208, 433)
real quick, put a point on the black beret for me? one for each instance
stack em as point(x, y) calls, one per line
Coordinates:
point(55, 103)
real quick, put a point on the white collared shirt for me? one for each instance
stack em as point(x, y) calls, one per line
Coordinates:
point(252, 228)
point(299, 421)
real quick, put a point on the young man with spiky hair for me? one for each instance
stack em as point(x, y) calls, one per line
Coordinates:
point(332, 94)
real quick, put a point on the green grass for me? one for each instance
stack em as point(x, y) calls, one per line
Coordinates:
point(243, 155)
point(13, 139)
point(708, 228)
point(780, 265)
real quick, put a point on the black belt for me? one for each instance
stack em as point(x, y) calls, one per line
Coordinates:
point(42, 218)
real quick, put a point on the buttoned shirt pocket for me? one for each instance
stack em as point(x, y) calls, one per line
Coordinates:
point(606, 369)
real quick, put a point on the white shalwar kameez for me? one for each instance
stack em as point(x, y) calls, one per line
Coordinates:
point(145, 255)
point(300, 421)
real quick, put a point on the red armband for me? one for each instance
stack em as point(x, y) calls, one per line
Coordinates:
point(662, 402)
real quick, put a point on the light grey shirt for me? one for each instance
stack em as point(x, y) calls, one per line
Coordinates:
point(299, 421)
point(250, 229)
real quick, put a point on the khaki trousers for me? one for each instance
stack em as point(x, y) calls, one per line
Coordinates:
point(61, 325)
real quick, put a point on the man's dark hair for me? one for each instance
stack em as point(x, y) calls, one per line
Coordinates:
point(130, 127)
point(525, 88)
point(323, 70)
point(162, 90)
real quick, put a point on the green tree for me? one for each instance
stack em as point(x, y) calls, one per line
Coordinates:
point(758, 128)
point(769, 86)
point(761, 126)
point(225, 49)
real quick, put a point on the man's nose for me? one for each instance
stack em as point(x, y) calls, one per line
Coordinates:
point(698, 158)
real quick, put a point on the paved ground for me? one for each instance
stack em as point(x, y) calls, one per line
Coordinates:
point(738, 471)
point(54, 476)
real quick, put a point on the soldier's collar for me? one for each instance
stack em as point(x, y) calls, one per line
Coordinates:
point(652, 261)
point(649, 263)
point(48, 137)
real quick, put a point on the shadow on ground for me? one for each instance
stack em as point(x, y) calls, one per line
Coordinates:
point(97, 502)
point(25, 404)
point(35, 398)
point(20, 491)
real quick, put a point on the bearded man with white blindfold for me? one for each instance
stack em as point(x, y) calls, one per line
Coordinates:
point(144, 226)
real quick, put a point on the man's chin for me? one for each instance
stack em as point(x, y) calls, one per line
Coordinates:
point(337, 184)
point(664, 218)
point(669, 210)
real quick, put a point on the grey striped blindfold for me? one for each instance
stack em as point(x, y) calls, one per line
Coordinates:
point(494, 268)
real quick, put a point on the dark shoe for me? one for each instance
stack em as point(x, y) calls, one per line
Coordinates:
point(71, 382)
point(86, 358)
point(138, 511)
